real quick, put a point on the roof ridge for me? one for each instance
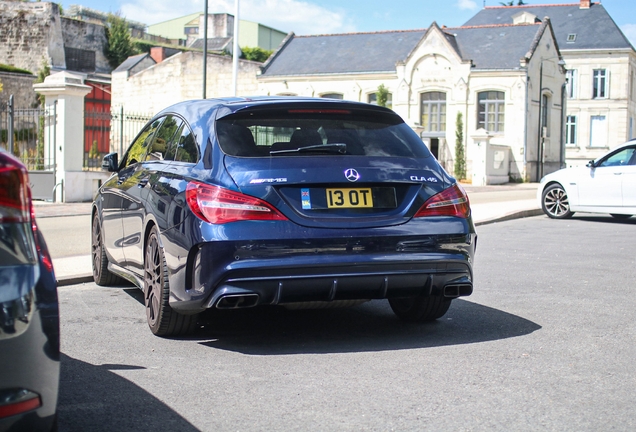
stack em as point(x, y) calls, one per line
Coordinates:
point(362, 33)
point(525, 6)
point(492, 26)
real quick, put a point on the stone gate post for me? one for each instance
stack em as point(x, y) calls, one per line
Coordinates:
point(69, 91)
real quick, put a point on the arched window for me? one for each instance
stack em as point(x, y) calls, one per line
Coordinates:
point(332, 96)
point(491, 111)
point(433, 111)
point(372, 98)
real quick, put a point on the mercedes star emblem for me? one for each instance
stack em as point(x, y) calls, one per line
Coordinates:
point(352, 175)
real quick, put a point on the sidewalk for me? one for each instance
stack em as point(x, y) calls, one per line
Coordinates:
point(489, 204)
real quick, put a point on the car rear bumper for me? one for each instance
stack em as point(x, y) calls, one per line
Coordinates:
point(229, 275)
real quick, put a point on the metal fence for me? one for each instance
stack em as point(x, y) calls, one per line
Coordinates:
point(22, 132)
point(106, 132)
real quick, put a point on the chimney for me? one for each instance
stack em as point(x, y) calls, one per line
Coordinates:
point(158, 54)
point(585, 4)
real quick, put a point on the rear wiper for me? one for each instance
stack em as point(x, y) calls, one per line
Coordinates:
point(336, 148)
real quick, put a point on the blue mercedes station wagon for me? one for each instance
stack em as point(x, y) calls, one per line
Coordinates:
point(298, 202)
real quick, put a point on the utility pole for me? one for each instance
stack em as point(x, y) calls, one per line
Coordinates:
point(235, 48)
point(205, 46)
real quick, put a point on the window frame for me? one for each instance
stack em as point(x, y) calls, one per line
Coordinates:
point(498, 112)
point(600, 84)
point(441, 111)
point(571, 75)
point(570, 130)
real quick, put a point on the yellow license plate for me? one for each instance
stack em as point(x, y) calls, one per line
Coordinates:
point(349, 198)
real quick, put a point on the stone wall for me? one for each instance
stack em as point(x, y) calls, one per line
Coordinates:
point(180, 78)
point(31, 34)
point(87, 36)
point(21, 87)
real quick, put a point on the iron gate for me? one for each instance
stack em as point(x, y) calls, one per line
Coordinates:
point(25, 133)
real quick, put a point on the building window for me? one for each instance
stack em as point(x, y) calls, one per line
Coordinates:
point(433, 111)
point(79, 60)
point(598, 131)
point(571, 83)
point(373, 99)
point(545, 117)
point(572, 37)
point(570, 130)
point(599, 90)
point(332, 96)
point(491, 111)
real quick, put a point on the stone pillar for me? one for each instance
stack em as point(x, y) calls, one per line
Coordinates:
point(481, 140)
point(68, 90)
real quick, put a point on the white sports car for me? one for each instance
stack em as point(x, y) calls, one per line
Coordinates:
point(604, 185)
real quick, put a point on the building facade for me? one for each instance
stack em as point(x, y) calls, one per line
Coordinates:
point(505, 82)
point(601, 73)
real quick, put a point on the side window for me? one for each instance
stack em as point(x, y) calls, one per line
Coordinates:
point(621, 158)
point(187, 149)
point(159, 149)
point(138, 148)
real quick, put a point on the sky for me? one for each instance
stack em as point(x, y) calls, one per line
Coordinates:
point(310, 17)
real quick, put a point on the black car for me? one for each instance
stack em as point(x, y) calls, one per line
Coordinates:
point(29, 314)
point(235, 203)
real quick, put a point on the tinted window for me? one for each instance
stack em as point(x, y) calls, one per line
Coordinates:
point(187, 149)
point(620, 158)
point(163, 139)
point(318, 132)
point(137, 150)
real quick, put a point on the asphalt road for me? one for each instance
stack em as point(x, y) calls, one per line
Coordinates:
point(544, 343)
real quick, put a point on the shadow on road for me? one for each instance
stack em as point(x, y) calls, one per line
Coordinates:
point(368, 327)
point(93, 398)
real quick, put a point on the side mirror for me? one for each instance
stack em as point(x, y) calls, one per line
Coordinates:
point(590, 164)
point(110, 162)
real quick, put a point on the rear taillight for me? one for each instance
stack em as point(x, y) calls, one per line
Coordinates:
point(449, 202)
point(218, 205)
point(16, 205)
point(18, 402)
point(14, 195)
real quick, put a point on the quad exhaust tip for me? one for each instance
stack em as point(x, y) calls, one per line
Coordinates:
point(237, 301)
point(458, 290)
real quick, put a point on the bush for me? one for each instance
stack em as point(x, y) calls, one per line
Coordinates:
point(8, 68)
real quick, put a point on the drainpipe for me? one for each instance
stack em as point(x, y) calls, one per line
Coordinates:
point(563, 122)
point(525, 127)
point(539, 153)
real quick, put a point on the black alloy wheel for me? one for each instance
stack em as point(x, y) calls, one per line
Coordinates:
point(555, 202)
point(420, 308)
point(162, 319)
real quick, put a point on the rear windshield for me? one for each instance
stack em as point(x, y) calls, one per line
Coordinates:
point(303, 132)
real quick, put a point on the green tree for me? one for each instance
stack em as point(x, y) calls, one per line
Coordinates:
point(512, 3)
point(382, 95)
point(256, 54)
point(460, 154)
point(119, 45)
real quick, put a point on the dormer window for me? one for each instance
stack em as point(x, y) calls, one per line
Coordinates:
point(571, 37)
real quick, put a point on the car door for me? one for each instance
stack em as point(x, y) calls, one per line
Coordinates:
point(629, 183)
point(131, 182)
point(603, 184)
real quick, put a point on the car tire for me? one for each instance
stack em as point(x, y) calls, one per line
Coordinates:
point(101, 275)
point(555, 203)
point(420, 308)
point(620, 216)
point(162, 319)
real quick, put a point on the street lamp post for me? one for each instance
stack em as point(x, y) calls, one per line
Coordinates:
point(235, 48)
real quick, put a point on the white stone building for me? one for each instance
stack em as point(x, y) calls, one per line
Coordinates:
point(601, 64)
point(505, 80)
